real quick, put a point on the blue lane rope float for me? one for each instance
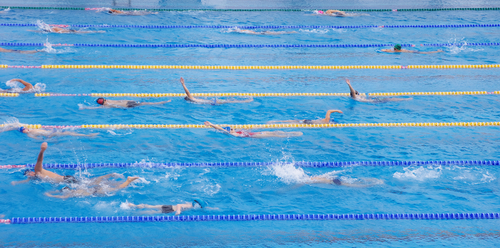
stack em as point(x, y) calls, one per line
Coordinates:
point(258, 27)
point(256, 217)
point(249, 45)
point(257, 10)
point(152, 165)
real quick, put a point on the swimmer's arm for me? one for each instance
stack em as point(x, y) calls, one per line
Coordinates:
point(438, 51)
point(14, 183)
point(34, 136)
point(27, 86)
point(66, 196)
point(39, 161)
point(353, 92)
point(185, 89)
point(219, 128)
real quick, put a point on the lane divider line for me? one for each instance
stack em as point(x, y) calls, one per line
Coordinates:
point(252, 67)
point(152, 165)
point(255, 217)
point(267, 126)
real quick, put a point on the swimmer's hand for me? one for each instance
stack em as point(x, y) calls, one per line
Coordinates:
point(207, 123)
point(348, 81)
point(44, 146)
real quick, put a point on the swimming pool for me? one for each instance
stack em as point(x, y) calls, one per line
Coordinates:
point(258, 190)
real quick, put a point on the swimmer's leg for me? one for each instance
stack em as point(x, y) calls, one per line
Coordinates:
point(153, 103)
point(75, 134)
point(124, 185)
point(182, 207)
point(321, 179)
point(98, 180)
point(286, 121)
point(234, 101)
point(141, 206)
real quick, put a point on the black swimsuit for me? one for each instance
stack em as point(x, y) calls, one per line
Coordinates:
point(336, 181)
point(165, 209)
point(70, 179)
point(131, 104)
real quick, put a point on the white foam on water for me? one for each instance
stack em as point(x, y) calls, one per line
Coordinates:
point(460, 45)
point(419, 173)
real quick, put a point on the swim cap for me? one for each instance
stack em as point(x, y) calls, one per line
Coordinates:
point(26, 171)
point(397, 47)
point(100, 100)
point(228, 129)
point(21, 129)
point(320, 12)
point(200, 202)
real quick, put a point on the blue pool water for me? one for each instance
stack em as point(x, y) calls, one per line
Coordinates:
point(281, 188)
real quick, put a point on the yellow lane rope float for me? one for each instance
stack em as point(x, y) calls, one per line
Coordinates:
point(9, 94)
point(273, 67)
point(264, 94)
point(270, 126)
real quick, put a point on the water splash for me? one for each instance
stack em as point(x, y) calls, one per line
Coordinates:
point(11, 123)
point(18, 87)
point(419, 174)
point(48, 48)
point(460, 45)
point(287, 173)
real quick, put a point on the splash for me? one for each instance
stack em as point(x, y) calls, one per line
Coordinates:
point(10, 123)
point(17, 87)
point(315, 31)
point(288, 173)
point(43, 26)
point(48, 48)
point(419, 174)
point(125, 205)
point(460, 45)
point(211, 189)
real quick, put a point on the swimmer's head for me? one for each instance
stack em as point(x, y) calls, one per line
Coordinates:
point(65, 188)
point(23, 130)
point(355, 94)
point(101, 100)
point(228, 129)
point(397, 47)
point(320, 12)
point(29, 173)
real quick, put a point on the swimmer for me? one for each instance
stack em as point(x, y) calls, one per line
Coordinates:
point(332, 12)
point(135, 12)
point(3, 50)
point(98, 190)
point(27, 86)
point(362, 98)
point(247, 134)
point(47, 176)
point(328, 179)
point(165, 209)
point(246, 31)
point(124, 103)
point(215, 101)
point(49, 133)
point(397, 49)
point(318, 121)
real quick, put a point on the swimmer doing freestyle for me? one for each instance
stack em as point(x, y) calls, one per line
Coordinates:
point(165, 209)
point(3, 50)
point(247, 31)
point(49, 133)
point(397, 49)
point(99, 189)
point(123, 103)
point(27, 86)
point(362, 98)
point(340, 181)
point(332, 12)
point(247, 134)
point(47, 176)
point(319, 121)
point(189, 97)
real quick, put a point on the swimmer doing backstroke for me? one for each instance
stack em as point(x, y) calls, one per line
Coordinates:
point(247, 134)
point(189, 97)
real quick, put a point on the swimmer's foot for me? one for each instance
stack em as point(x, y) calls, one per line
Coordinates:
point(131, 179)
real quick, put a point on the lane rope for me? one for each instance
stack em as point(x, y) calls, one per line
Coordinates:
point(258, 10)
point(255, 27)
point(9, 94)
point(256, 217)
point(268, 94)
point(152, 165)
point(248, 45)
point(251, 67)
point(267, 126)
